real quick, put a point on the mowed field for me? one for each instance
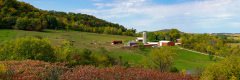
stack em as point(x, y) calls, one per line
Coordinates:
point(183, 60)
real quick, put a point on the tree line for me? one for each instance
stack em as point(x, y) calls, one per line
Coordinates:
point(171, 35)
point(211, 44)
point(19, 15)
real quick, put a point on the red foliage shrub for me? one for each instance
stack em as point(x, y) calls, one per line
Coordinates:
point(39, 70)
point(120, 73)
point(28, 70)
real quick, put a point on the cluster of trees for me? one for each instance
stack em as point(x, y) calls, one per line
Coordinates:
point(32, 24)
point(227, 69)
point(207, 43)
point(171, 35)
point(20, 15)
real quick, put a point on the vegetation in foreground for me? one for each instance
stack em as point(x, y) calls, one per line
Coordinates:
point(227, 69)
point(28, 69)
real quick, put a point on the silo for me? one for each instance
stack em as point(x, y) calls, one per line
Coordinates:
point(144, 37)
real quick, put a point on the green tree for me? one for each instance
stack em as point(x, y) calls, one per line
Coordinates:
point(52, 22)
point(29, 24)
point(8, 22)
point(174, 34)
point(163, 58)
point(22, 23)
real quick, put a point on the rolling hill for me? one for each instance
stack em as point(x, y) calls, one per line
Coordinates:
point(20, 15)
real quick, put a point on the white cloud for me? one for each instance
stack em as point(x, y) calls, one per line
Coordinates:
point(201, 13)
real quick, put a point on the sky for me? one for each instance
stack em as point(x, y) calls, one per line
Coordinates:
point(193, 16)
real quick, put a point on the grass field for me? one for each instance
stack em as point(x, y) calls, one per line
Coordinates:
point(190, 60)
point(184, 59)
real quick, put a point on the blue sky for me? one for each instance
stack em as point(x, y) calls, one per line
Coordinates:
point(195, 16)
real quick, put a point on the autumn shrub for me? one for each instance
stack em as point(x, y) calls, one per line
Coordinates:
point(55, 72)
point(79, 58)
point(101, 58)
point(39, 70)
point(120, 73)
point(64, 51)
point(27, 48)
point(227, 69)
point(32, 70)
point(2, 68)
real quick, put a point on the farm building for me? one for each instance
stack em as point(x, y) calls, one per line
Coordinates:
point(153, 43)
point(166, 43)
point(150, 45)
point(139, 39)
point(132, 43)
point(143, 39)
point(117, 42)
point(179, 42)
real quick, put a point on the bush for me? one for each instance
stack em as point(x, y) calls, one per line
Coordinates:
point(2, 68)
point(27, 48)
point(63, 52)
point(32, 70)
point(174, 69)
point(120, 73)
point(79, 58)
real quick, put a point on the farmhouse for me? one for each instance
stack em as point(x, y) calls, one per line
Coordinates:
point(179, 42)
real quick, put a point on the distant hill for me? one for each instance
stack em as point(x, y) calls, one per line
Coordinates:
point(167, 30)
point(20, 15)
point(162, 30)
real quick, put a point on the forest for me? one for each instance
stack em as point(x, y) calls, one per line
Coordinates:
point(20, 15)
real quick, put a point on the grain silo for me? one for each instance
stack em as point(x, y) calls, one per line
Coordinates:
point(144, 37)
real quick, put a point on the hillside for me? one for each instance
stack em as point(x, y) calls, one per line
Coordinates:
point(19, 15)
point(184, 59)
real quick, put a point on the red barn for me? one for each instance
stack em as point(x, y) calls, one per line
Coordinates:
point(166, 43)
point(171, 43)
